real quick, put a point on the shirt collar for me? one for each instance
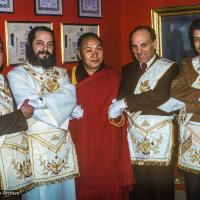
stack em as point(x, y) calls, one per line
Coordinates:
point(150, 62)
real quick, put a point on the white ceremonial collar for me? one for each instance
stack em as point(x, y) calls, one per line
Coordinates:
point(38, 69)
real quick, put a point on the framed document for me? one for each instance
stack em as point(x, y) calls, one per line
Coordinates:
point(16, 39)
point(70, 34)
point(6, 6)
point(48, 7)
point(90, 8)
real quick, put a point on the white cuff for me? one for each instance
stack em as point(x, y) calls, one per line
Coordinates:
point(37, 103)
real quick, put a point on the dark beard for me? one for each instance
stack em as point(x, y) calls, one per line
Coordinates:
point(46, 62)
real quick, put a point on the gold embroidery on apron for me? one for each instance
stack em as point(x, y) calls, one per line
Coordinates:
point(148, 131)
point(145, 146)
point(48, 145)
point(56, 165)
point(23, 169)
point(193, 153)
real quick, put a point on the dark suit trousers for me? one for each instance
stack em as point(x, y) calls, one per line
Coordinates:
point(153, 183)
point(192, 185)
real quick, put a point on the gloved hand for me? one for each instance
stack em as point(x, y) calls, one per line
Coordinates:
point(116, 108)
point(77, 113)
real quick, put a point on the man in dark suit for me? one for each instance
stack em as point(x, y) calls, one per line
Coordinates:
point(145, 86)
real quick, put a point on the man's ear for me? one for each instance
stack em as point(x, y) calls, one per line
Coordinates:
point(155, 44)
point(79, 54)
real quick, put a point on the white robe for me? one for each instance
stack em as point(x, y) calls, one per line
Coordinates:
point(50, 113)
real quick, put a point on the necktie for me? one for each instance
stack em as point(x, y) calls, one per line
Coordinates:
point(143, 66)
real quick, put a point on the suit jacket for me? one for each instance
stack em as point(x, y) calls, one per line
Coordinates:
point(181, 88)
point(147, 102)
point(12, 122)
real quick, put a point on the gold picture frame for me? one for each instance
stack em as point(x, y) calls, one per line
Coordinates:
point(171, 26)
point(70, 34)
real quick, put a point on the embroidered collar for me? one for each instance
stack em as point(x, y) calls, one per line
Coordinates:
point(48, 78)
point(38, 72)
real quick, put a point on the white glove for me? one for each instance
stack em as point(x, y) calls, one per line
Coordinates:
point(116, 108)
point(77, 113)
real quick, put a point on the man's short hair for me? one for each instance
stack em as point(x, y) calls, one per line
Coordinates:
point(140, 28)
point(86, 36)
point(195, 25)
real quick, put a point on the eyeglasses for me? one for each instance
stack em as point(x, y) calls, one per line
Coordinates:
point(41, 44)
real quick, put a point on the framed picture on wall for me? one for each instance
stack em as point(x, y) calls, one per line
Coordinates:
point(89, 8)
point(16, 39)
point(6, 6)
point(171, 26)
point(70, 34)
point(48, 7)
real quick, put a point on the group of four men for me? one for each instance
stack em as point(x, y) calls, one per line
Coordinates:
point(47, 100)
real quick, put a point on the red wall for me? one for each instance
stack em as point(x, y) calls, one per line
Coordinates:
point(139, 12)
point(119, 18)
point(109, 26)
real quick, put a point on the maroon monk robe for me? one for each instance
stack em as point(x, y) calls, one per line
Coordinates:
point(102, 148)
